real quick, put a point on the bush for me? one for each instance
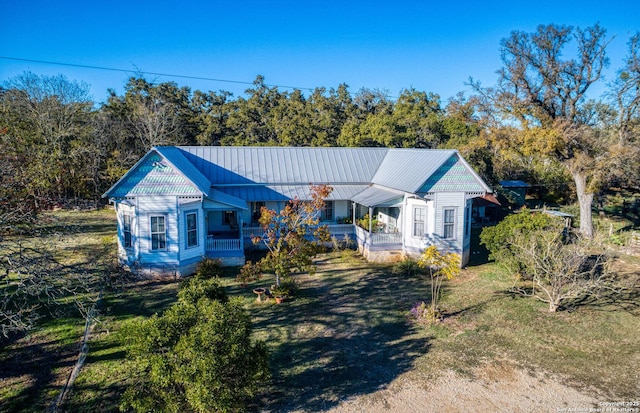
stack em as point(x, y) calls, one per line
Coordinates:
point(497, 238)
point(197, 356)
point(407, 267)
point(208, 268)
point(193, 289)
point(249, 272)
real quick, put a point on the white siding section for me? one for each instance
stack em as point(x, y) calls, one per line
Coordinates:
point(166, 206)
point(449, 200)
point(341, 209)
point(411, 242)
point(187, 253)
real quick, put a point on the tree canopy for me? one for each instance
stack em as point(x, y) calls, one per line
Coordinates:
point(537, 123)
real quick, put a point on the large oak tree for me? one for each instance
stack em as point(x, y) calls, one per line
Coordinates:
point(544, 93)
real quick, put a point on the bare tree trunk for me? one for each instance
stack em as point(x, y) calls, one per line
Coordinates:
point(585, 200)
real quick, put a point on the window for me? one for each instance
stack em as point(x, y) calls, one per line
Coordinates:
point(255, 211)
point(419, 221)
point(327, 211)
point(126, 230)
point(192, 229)
point(449, 229)
point(230, 218)
point(158, 233)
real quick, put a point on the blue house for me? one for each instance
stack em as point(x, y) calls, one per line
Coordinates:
point(179, 204)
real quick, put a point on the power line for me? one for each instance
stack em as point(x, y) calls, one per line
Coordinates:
point(111, 69)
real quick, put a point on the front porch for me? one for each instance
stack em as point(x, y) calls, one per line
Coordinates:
point(229, 240)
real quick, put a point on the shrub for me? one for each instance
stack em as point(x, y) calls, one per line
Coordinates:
point(208, 268)
point(249, 272)
point(497, 238)
point(407, 267)
point(197, 356)
point(194, 289)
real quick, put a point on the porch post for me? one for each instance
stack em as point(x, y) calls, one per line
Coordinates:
point(353, 212)
point(370, 219)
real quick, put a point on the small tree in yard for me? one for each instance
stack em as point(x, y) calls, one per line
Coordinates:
point(559, 272)
point(293, 236)
point(439, 266)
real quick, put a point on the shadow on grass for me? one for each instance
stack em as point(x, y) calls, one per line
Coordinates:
point(29, 371)
point(344, 335)
point(627, 299)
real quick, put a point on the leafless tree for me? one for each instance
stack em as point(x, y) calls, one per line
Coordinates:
point(559, 272)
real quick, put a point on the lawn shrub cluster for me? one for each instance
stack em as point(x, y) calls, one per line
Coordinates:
point(196, 356)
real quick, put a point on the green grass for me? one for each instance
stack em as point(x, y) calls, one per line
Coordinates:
point(347, 333)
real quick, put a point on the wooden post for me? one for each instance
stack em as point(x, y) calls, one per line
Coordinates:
point(370, 219)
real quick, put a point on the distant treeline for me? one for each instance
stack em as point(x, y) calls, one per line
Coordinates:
point(58, 146)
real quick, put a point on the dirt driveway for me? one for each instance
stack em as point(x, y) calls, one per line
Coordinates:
point(496, 389)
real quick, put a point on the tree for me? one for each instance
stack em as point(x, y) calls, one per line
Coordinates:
point(293, 236)
point(250, 120)
point(560, 272)
point(545, 94)
point(624, 94)
point(440, 266)
point(46, 124)
point(197, 356)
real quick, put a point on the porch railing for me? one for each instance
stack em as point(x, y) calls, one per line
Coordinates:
point(223, 244)
point(377, 238)
point(334, 229)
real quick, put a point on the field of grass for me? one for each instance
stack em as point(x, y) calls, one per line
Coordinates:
point(347, 333)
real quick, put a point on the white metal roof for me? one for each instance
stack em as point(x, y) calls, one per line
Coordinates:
point(278, 173)
point(224, 165)
point(377, 196)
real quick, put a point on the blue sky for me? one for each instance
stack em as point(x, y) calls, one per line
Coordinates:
point(431, 46)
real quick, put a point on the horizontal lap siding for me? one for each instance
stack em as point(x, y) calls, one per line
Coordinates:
point(158, 206)
point(199, 250)
point(445, 200)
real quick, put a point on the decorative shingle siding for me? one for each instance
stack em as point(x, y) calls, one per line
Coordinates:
point(452, 176)
point(154, 177)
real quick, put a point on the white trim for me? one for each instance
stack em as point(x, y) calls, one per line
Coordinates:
point(454, 231)
point(187, 230)
point(151, 233)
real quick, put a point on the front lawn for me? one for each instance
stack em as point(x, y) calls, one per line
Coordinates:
point(347, 333)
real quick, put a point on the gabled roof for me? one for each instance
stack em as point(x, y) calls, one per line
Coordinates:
point(158, 173)
point(279, 173)
point(408, 169)
point(229, 165)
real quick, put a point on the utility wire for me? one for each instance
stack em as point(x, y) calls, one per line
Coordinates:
point(150, 73)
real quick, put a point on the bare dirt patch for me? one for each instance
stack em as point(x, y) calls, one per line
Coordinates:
point(495, 388)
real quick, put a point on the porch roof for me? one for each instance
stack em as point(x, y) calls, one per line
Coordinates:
point(378, 196)
point(227, 199)
point(287, 192)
